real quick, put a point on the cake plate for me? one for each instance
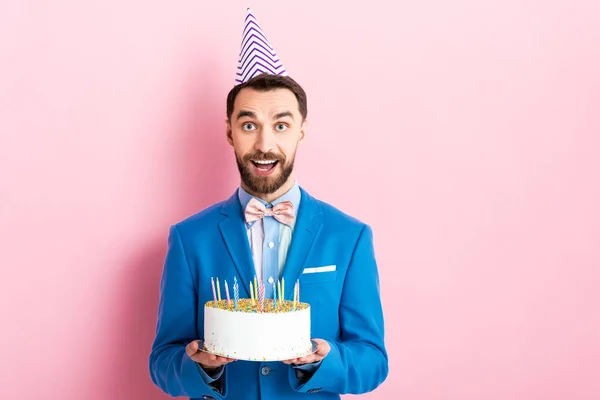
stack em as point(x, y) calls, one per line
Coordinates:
point(315, 345)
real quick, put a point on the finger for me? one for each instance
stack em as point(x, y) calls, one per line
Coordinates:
point(309, 357)
point(313, 358)
point(216, 360)
point(199, 358)
point(299, 361)
point(208, 360)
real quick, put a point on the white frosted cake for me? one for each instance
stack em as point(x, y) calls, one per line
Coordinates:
point(255, 333)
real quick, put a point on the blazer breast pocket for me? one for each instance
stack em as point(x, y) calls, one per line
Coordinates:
point(323, 274)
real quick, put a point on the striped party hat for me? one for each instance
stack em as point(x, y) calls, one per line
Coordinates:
point(256, 55)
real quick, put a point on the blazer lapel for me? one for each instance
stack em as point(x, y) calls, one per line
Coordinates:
point(308, 225)
point(233, 230)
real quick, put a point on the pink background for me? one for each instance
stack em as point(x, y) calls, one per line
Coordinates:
point(479, 122)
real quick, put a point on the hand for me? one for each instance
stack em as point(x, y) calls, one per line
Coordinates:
point(206, 360)
point(322, 350)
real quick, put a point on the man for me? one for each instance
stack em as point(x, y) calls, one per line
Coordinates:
point(266, 121)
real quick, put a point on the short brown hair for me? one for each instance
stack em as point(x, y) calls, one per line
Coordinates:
point(265, 82)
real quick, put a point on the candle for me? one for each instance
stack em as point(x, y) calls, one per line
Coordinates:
point(262, 296)
point(236, 292)
point(298, 291)
point(255, 288)
point(294, 300)
point(212, 282)
point(251, 293)
point(282, 289)
point(227, 293)
point(279, 291)
point(218, 290)
point(274, 295)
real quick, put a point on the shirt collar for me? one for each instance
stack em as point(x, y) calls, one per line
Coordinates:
point(293, 195)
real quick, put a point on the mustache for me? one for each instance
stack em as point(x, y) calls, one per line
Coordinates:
point(260, 156)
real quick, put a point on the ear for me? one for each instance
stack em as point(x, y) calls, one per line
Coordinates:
point(302, 131)
point(228, 132)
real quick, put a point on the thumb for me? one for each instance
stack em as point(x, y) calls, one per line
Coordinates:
point(192, 348)
point(322, 348)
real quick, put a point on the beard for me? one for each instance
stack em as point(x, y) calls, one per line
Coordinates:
point(265, 184)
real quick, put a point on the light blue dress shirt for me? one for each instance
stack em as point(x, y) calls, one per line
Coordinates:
point(269, 239)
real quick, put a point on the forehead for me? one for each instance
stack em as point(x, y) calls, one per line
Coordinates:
point(266, 103)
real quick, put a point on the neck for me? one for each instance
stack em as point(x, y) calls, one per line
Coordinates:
point(270, 197)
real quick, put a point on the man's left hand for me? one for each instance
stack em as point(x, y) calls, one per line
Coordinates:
point(322, 350)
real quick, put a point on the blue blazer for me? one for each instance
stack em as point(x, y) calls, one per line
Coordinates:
point(345, 304)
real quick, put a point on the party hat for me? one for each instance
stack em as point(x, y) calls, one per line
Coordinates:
point(256, 55)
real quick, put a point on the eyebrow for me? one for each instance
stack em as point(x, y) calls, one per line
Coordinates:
point(251, 114)
point(284, 114)
point(245, 113)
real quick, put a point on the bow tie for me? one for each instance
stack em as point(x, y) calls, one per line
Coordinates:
point(282, 212)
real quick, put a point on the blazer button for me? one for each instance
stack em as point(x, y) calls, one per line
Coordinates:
point(265, 370)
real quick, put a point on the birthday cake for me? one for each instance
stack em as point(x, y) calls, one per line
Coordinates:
point(257, 329)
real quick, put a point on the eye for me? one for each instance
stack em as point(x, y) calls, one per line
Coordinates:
point(281, 127)
point(248, 126)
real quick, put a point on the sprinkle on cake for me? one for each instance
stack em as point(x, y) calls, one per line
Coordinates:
point(250, 306)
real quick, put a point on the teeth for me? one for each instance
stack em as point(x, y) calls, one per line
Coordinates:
point(266, 162)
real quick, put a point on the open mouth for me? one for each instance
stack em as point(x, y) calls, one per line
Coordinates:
point(264, 166)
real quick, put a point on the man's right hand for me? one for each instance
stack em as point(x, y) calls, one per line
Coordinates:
point(207, 361)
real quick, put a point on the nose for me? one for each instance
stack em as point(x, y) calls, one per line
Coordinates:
point(265, 140)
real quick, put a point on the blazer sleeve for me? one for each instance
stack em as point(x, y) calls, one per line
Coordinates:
point(358, 362)
point(171, 369)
